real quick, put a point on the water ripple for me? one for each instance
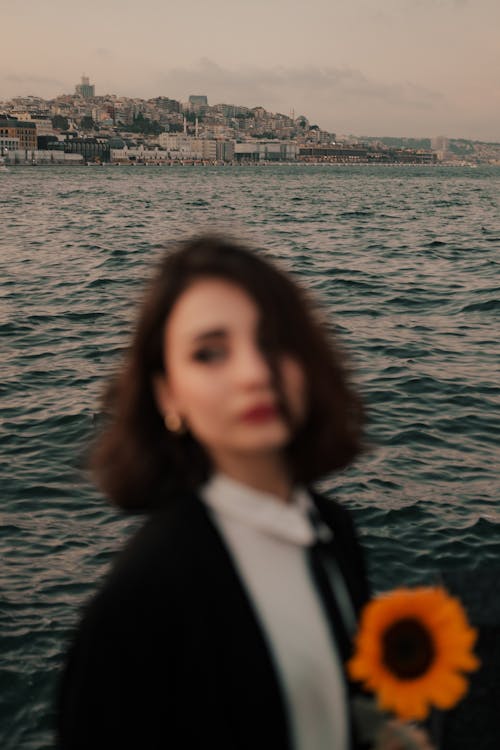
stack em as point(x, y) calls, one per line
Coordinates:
point(405, 262)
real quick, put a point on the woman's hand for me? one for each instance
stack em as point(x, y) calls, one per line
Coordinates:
point(396, 735)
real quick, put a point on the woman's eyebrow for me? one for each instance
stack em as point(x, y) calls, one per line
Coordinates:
point(212, 333)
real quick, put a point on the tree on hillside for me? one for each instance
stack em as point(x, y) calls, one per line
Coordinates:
point(141, 124)
point(60, 123)
point(175, 127)
point(192, 116)
point(87, 123)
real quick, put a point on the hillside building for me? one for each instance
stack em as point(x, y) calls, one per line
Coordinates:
point(24, 132)
point(266, 150)
point(85, 88)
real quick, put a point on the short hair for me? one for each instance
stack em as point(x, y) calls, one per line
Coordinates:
point(137, 462)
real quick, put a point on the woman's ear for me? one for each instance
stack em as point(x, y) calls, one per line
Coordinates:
point(161, 392)
point(166, 405)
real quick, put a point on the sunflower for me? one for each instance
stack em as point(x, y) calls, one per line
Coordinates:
point(410, 650)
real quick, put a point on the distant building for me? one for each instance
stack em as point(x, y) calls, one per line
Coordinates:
point(196, 100)
point(364, 154)
point(302, 122)
point(41, 119)
point(178, 142)
point(226, 110)
point(259, 113)
point(186, 147)
point(92, 149)
point(138, 155)
point(320, 136)
point(37, 156)
point(85, 88)
point(7, 143)
point(266, 150)
point(197, 103)
point(169, 106)
point(24, 132)
point(440, 143)
point(224, 150)
point(340, 154)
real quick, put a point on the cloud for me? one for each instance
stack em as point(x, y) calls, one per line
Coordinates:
point(340, 99)
point(269, 87)
point(439, 3)
point(29, 79)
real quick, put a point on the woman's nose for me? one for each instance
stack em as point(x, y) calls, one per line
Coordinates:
point(252, 367)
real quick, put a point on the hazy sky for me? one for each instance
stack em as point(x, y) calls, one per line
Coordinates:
point(366, 67)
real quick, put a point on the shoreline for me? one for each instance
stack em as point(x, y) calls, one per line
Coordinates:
point(167, 165)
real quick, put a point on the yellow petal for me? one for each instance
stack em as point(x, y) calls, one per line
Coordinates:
point(444, 620)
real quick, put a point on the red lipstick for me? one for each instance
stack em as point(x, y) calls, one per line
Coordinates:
point(260, 413)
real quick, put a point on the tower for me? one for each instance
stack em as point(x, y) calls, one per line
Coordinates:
point(85, 88)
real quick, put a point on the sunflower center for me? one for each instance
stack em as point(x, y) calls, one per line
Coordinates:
point(407, 649)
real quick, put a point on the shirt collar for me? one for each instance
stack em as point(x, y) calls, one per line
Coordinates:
point(262, 511)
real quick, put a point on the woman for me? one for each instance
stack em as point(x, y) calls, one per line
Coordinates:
point(226, 620)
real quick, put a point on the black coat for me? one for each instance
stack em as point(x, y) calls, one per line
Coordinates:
point(169, 653)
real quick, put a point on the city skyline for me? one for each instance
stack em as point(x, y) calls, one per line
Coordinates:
point(410, 68)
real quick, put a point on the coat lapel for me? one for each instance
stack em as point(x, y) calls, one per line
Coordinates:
point(251, 692)
point(345, 548)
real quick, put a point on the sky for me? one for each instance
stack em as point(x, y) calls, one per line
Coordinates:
point(414, 68)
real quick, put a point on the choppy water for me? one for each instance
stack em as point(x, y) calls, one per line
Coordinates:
point(406, 261)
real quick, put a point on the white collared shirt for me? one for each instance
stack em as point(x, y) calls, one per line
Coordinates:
point(268, 539)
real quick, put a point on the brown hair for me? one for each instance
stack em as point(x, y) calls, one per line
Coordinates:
point(137, 462)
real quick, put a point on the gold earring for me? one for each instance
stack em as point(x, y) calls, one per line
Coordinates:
point(174, 423)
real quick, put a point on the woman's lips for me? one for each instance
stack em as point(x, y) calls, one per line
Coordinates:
point(261, 413)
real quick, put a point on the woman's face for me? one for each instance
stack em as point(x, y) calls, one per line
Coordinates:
point(217, 378)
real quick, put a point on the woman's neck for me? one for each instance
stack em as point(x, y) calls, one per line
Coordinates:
point(264, 472)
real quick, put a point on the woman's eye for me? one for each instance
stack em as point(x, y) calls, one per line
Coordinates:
point(209, 354)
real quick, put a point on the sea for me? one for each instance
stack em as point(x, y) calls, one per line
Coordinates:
point(404, 263)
